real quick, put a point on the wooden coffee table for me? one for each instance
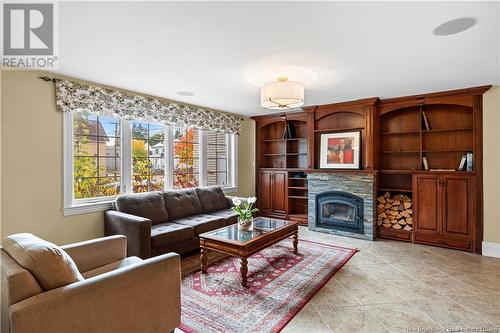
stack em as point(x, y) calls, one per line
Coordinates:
point(230, 240)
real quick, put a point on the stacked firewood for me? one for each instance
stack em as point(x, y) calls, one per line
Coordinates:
point(395, 211)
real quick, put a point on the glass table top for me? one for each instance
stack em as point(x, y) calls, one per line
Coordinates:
point(261, 225)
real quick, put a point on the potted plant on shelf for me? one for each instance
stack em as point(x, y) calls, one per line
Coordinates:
point(245, 213)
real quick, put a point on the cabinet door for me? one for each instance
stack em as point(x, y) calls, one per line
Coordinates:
point(279, 192)
point(265, 191)
point(444, 213)
point(427, 213)
point(458, 206)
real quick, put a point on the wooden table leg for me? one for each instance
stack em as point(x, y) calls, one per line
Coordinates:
point(203, 259)
point(244, 271)
point(296, 242)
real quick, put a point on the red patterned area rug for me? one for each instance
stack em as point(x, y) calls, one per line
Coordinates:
point(280, 284)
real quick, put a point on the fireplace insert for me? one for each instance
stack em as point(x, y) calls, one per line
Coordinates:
point(339, 210)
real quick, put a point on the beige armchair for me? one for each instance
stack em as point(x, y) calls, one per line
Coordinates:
point(118, 294)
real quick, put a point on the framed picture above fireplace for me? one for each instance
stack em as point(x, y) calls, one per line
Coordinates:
point(340, 150)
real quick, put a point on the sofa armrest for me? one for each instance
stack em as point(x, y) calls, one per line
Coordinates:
point(98, 252)
point(142, 297)
point(137, 230)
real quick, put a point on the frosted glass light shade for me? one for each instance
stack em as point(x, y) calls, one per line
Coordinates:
point(282, 95)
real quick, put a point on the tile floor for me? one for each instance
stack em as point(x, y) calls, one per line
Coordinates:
point(391, 286)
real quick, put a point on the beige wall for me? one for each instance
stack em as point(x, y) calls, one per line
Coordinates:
point(32, 162)
point(246, 160)
point(491, 162)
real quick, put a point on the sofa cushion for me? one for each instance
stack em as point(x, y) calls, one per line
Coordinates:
point(51, 266)
point(149, 205)
point(202, 222)
point(181, 203)
point(212, 198)
point(229, 215)
point(111, 266)
point(170, 233)
point(17, 283)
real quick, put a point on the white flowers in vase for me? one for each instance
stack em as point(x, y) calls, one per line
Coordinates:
point(245, 212)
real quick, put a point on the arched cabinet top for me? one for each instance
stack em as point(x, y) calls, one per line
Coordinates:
point(460, 97)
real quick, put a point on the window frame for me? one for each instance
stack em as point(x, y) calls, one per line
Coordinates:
point(129, 129)
point(72, 206)
point(201, 162)
point(228, 157)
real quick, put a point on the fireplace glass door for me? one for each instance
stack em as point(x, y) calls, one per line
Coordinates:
point(340, 211)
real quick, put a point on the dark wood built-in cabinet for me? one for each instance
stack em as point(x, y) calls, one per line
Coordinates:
point(282, 154)
point(397, 134)
point(444, 210)
point(440, 128)
point(273, 188)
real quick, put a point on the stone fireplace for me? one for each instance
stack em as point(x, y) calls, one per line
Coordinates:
point(342, 203)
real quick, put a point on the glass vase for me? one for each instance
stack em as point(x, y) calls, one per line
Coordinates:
point(245, 224)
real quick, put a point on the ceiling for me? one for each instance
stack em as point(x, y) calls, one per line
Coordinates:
point(224, 51)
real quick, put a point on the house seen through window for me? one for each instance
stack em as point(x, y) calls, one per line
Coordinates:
point(96, 160)
point(112, 157)
point(148, 157)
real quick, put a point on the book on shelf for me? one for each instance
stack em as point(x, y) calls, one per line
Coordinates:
point(427, 124)
point(288, 132)
point(469, 161)
point(291, 131)
point(462, 162)
point(442, 170)
point(425, 163)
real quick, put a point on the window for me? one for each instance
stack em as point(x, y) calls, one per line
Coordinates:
point(106, 157)
point(186, 157)
point(148, 157)
point(217, 159)
point(96, 159)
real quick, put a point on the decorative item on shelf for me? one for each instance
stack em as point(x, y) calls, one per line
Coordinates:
point(469, 161)
point(340, 150)
point(427, 123)
point(288, 132)
point(245, 213)
point(395, 212)
point(282, 95)
point(425, 163)
point(462, 162)
point(277, 164)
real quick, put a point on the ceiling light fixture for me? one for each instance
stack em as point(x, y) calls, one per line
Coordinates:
point(454, 26)
point(282, 94)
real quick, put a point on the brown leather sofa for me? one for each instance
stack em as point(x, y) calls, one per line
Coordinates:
point(168, 221)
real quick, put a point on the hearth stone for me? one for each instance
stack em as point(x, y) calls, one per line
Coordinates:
point(358, 184)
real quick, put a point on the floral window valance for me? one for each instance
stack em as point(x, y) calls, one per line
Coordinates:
point(82, 98)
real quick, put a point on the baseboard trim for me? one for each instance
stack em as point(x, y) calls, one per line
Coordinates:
point(491, 249)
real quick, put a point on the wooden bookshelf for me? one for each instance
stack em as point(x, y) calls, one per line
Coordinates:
point(403, 138)
point(279, 149)
point(282, 157)
point(297, 196)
